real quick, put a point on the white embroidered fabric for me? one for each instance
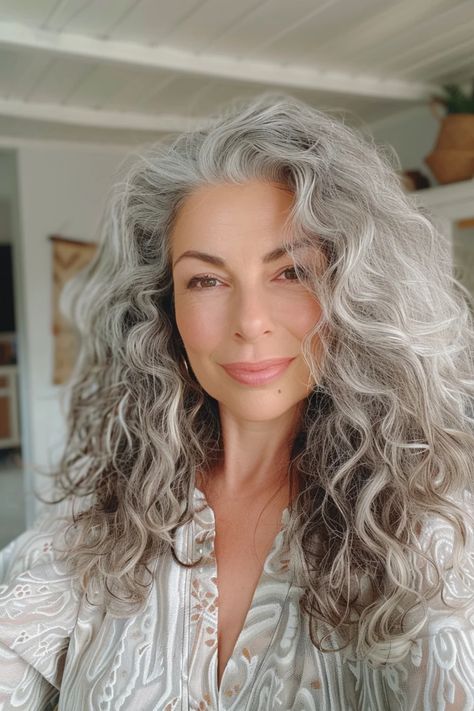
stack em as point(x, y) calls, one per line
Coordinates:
point(57, 651)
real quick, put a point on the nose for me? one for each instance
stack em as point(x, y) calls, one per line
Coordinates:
point(252, 314)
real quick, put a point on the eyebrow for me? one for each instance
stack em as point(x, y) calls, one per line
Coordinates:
point(219, 262)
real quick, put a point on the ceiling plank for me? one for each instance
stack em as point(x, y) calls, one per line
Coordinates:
point(92, 117)
point(271, 74)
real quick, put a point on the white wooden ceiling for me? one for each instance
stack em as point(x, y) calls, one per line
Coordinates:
point(130, 70)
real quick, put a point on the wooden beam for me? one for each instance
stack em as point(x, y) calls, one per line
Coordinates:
point(77, 116)
point(18, 36)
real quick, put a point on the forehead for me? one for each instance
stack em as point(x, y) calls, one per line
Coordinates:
point(240, 209)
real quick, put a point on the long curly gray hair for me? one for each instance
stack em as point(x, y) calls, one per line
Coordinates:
point(386, 435)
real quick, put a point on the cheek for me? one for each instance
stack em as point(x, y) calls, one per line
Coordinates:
point(300, 314)
point(200, 325)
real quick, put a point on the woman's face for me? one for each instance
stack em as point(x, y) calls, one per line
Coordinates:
point(245, 307)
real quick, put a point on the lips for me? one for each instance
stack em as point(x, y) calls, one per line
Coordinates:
point(258, 366)
point(258, 373)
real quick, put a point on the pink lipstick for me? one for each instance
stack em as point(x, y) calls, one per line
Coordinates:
point(258, 373)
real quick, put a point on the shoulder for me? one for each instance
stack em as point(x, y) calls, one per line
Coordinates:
point(39, 600)
point(452, 551)
point(32, 547)
point(430, 667)
point(437, 529)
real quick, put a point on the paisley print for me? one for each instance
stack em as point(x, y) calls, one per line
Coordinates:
point(60, 653)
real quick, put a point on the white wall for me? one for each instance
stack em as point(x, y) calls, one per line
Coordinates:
point(8, 196)
point(61, 191)
point(412, 133)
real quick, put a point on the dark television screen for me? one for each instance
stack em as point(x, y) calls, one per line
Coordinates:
point(7, 314)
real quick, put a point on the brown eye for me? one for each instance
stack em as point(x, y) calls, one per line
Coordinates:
point(192, 283)
point(292, 271)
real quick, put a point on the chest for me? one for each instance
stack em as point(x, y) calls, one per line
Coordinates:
point(241, 546)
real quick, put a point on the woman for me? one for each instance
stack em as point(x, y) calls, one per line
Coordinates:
point(292, 536)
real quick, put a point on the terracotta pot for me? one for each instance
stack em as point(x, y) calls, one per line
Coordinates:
point(451, 166)
point(456, 131)
point(452, 158)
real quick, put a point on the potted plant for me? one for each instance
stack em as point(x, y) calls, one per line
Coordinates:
point(452, 158)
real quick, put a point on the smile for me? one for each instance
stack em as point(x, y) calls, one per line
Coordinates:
point(258, 377)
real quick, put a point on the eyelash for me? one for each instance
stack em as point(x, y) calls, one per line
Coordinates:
point(198, 279)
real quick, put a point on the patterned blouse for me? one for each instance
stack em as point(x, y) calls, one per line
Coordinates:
point(57, 651)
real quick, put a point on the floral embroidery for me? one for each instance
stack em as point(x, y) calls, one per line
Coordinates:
point(232, 690)
point(205, 703)
point(22, 591)
point(212, 640)
point(204, 601)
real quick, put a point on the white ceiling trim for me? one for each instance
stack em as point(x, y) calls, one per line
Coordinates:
point(98, 119)
point(21, 141)
point(19, 36)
